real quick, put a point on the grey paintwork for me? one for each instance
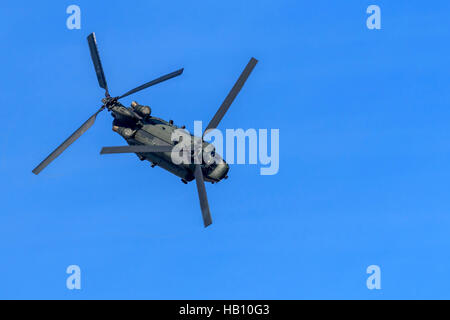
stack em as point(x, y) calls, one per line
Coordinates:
point(149, 130)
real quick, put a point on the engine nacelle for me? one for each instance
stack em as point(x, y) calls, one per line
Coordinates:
point(122, 114)
point(143, 111)
point(127, 133)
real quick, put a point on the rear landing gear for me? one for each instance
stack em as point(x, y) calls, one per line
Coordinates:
point(184, 181)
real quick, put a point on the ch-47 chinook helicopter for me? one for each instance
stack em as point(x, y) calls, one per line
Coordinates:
point(150, 138)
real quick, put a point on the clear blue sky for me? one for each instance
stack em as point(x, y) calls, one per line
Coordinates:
point(365, 151)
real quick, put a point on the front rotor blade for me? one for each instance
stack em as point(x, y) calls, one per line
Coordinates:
point(232, 95)
point(202, 196)
point(154, 82)
point(67, 143)
point(136, 149)
point(97, 62)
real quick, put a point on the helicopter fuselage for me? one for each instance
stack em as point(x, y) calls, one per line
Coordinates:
point(138, 127)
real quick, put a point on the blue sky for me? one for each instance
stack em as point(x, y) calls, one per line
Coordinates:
point(364, 151)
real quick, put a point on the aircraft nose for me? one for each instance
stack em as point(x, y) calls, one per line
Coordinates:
point(220, 172)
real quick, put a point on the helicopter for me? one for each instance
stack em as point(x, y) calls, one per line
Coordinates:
point(150, 138)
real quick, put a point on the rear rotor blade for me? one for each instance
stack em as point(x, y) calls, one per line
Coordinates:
point(154, 82)
point(136, 149)
point(67, 143)
point(232, 95)
point(202, 196)
point(97, 62)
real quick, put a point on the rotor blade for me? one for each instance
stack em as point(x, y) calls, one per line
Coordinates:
point(154, 82)
point(67, 143)
point(136, 149)
point(97, 62)
point(202, 196)
point(232, 95)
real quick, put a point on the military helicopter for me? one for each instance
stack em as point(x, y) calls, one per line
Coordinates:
point(150, 138)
